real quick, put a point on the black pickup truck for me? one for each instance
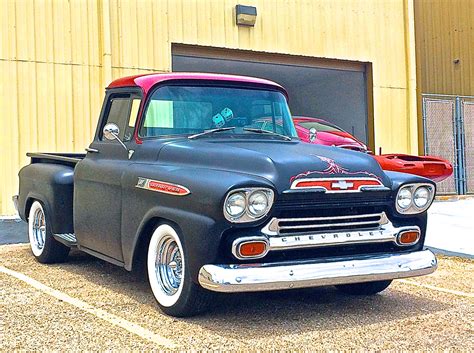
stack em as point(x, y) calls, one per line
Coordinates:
point(182, 178)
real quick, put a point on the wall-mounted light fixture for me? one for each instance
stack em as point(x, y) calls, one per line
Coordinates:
point(245, 15)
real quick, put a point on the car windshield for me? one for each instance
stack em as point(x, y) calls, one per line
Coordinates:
point(191, 110)
point(319, 126)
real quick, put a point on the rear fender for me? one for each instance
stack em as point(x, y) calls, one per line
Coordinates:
point(53, 185)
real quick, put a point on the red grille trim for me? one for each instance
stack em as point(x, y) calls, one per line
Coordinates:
point(337, 184)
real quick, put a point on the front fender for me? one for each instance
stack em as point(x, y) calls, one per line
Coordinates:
point(198, 215)
point(200, 236)
point(398, 179)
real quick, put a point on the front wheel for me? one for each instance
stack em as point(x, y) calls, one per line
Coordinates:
point(366, 288)
point(168, 274)
point(44, 247)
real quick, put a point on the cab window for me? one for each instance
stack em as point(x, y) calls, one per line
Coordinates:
point(123, 111)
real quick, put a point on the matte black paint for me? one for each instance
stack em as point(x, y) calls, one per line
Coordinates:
point(53, 185)
point(96, 197)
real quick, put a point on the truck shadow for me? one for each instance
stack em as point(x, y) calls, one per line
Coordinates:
point(280, 312)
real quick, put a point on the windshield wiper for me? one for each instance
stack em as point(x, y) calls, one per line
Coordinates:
point(211, 131)
point(260, 131)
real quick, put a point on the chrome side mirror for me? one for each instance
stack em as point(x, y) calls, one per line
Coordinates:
point(111, 132)
point(312, 134)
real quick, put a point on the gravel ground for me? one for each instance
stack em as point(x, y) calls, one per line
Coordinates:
point(412, 314)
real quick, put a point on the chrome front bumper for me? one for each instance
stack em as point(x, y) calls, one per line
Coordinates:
point(315, 273)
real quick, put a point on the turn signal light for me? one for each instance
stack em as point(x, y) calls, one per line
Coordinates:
point(408, 237)
point(252, 249)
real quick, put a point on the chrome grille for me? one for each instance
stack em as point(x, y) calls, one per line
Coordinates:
point(289, 226)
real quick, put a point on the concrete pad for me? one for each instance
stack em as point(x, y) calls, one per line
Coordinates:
point(13, 231)
point(451, 227)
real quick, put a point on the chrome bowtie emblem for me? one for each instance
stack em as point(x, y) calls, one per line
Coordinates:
point(342, 185)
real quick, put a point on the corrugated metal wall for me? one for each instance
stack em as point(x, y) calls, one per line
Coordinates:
point(444, 34)
point(57, 56)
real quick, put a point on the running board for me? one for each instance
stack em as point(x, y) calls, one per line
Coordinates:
point(68, 239)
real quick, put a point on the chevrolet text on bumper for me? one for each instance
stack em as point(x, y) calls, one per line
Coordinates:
point(315, 273)
point(202, 179)
point(289, 233)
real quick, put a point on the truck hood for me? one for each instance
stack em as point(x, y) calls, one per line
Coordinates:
point(277, 161)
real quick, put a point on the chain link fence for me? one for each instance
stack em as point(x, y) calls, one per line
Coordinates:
point(448, 123)
point(468, 122)
point(439, 137)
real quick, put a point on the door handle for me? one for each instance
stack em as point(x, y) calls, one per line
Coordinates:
point(92, 150)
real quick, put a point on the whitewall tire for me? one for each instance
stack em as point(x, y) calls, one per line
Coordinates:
point(166, 265)
point(37, 228)
point(44, 247)
point(168, 275)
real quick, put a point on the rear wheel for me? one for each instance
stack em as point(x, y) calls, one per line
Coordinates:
point(367, 288)
point(44, 247)
point(168, 274)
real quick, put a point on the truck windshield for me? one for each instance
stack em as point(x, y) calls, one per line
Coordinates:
point(190, 110)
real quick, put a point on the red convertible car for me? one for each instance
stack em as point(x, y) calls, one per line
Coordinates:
point(321, 132)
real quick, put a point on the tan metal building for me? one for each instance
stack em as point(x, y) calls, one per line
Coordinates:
point(444, 32)
point(445, 46)
point(57, 56)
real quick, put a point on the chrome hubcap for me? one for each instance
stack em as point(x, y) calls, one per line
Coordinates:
point(39, 229)
point(169, 265)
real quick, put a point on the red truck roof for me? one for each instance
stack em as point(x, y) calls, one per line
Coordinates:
point(146, 81)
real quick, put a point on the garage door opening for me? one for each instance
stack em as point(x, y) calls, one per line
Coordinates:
point(333, 90)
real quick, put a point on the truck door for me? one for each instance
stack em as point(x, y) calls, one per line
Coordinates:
point(97, 183)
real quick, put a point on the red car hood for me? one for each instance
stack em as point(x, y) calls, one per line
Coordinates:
point(338, 138)
point(434, 168)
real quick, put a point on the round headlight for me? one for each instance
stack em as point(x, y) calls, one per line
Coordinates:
point(247, 204)
point(404, 198)
point(421, 197)
point(235, 204)
point(258, 203)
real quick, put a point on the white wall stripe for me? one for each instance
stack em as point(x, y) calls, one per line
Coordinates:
point(100, 313)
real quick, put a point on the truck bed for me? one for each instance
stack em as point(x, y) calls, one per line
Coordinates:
point(56, 158)
point(49, 178)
